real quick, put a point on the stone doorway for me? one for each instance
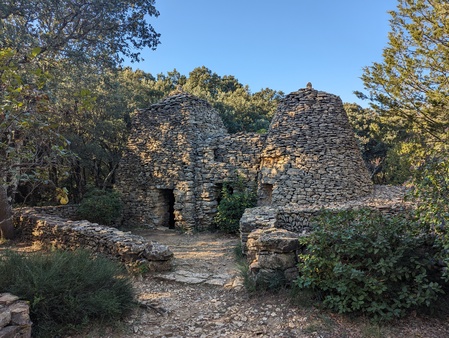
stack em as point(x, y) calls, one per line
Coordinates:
point(168, 199)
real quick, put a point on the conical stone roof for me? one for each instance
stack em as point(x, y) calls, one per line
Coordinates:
point(311, 154)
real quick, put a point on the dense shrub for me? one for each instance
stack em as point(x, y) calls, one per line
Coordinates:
point(66, 290)
point(362, 261)
point(100, 206)
point(431, 190)
point(235, 199)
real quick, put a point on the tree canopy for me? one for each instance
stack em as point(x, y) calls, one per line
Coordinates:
point(409, 90)
point(105, 30)
point(45, 43)
point(411, 82)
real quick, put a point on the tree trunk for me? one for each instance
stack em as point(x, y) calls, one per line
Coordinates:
point(6, 224)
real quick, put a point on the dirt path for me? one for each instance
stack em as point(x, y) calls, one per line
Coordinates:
point(203, 297)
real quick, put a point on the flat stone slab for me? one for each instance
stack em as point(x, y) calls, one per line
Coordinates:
point(189, 277)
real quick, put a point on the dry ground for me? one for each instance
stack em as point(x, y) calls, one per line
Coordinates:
point(201, 309)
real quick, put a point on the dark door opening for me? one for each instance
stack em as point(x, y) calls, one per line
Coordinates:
point(169, 202)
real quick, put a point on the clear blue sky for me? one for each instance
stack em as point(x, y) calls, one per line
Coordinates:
point(280, 44)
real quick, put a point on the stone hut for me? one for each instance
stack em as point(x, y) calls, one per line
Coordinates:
point(310, 154)
point(179, 155)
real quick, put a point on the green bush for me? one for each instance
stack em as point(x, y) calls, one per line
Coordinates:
point(362, 261)
point(232, 206)
point(66, 290)
point(431, 192)
point(100, 206)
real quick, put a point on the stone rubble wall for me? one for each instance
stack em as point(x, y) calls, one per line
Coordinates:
point(226, 159)
point(14, 317)
point(56, 232)
point(296, 218)
point(67, 211)
point(269, 235)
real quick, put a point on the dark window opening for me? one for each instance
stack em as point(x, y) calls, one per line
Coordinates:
point(220, 192)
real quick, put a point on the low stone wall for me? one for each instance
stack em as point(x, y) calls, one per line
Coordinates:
point(67, 211)
point(14, 317)
point(66, 234)
point(296, 218)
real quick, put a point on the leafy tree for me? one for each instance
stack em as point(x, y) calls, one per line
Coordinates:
point(238, 107)
point(81, 30)
point(410, 89)
point(37, 37)
point(367, 128)
point(431, 180)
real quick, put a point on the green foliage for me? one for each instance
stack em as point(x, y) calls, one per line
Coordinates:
point(101, 30)
point(431, 190)
point(364, 262)
point(239, 109)
point(232, 206)
point(57, 73)
point(67, 290)
point(367, 127)
point(411, 81)
point(100, 206)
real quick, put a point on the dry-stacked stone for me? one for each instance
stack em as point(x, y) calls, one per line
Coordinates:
point(179, 155)
point(55, 232)
point(273, 253)
point(311, 155)
point(14, 317)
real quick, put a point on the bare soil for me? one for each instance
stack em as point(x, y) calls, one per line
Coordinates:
point(197, 308)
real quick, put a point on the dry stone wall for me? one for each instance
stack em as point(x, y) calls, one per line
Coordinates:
point(56, 232)
point(273, 253)
point(269, 234)
point(389, 200)
point(14, 317)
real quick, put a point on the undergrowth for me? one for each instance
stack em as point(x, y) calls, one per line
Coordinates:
point(364, 262)
point(100, 206)
point(67, 291)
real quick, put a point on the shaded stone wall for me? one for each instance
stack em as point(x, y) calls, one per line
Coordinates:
point(59, 233)
point(67, 211)
point(14, 317)
point(273, 254)
point(162, 158)
point(311, 155)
